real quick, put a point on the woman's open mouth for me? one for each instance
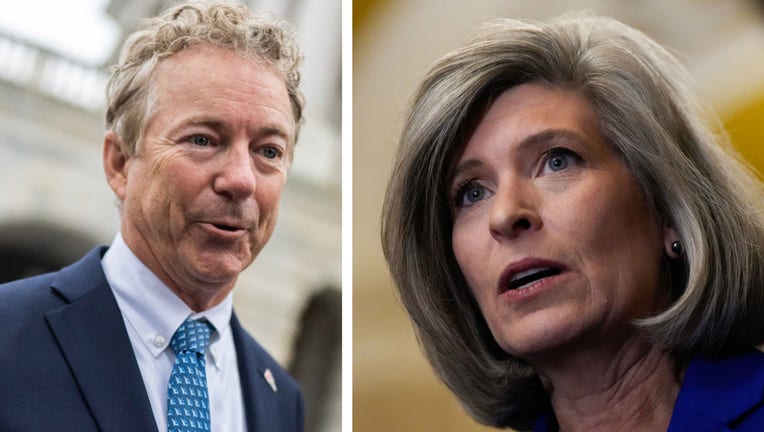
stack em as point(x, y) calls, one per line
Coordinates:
point(528, 277)
point(527, 272)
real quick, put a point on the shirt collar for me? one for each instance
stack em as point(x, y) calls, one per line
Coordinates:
point(151, 308)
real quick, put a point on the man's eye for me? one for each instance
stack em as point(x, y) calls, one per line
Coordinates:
point(271, 152)
point(200, 140)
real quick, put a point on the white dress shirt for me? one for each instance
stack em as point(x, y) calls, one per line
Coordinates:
point(152, 313)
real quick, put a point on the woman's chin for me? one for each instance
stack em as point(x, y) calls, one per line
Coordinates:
point(545, 335)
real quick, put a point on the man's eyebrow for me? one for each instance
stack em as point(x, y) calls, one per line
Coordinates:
point(210, 122)
point(214, 123)
point(273, 129)
point(537, 138)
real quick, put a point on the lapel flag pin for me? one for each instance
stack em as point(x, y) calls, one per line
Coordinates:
point(268, 375)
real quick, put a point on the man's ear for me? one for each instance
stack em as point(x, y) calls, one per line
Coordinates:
point(115, 164)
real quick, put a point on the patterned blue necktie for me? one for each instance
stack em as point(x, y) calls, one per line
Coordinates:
point(187, 401)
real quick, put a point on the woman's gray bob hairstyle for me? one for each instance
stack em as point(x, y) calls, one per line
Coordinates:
point(673, 148)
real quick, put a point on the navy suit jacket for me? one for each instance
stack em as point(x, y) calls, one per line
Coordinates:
point(717, 395)
point(66, 362)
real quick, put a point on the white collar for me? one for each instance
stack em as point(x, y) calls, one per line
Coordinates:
point(151, 308)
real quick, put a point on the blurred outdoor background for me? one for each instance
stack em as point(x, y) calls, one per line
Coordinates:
point(55, 203)
point(394, 43)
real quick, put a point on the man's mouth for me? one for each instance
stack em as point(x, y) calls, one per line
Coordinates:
point(226, 227)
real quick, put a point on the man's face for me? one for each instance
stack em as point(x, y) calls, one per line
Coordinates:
point(200, 197)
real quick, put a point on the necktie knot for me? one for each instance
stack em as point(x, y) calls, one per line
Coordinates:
point(191, 336)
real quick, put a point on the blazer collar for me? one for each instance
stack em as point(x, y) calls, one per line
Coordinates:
point(259, 400)
point(715, 394)
point(719, 391)
point(92, 336)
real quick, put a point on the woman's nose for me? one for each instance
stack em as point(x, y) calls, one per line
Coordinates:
point(513, 212)
point(236, 177)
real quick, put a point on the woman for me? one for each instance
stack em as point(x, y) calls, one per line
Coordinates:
point(577, 246)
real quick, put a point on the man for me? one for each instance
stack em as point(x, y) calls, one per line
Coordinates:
point(203, 112)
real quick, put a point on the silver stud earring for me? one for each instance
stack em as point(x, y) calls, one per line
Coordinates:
point(676, 247)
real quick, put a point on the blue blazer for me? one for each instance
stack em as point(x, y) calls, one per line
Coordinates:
point(66, 363)
point(717, 395)
point(725, 394)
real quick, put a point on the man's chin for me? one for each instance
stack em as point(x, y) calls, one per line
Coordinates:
point(218, 268)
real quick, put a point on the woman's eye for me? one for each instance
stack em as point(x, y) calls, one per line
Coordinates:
point(557, 163)
point(200, 140)
point(558, 160)
point(471, 193)
point(271, 152)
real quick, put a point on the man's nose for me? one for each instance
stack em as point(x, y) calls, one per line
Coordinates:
point(236, 176)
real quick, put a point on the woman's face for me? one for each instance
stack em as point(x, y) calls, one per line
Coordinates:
point(550, 230)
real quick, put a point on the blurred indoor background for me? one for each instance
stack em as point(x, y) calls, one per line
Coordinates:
point(55, 203)
point(394, 42)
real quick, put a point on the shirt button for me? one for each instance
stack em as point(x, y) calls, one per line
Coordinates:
point(158, 341)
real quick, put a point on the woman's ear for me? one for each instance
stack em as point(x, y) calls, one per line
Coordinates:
point(671, 244)
point(115, 164)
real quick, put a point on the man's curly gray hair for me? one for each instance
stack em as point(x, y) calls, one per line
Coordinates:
point(222, 25)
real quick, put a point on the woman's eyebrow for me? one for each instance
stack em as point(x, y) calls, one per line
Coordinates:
point(541, 137)
point(546, 135)
point(464, 166)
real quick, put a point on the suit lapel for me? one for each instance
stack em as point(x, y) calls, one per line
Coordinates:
point(259, 400)
point(719, 392)
point(93, 339)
